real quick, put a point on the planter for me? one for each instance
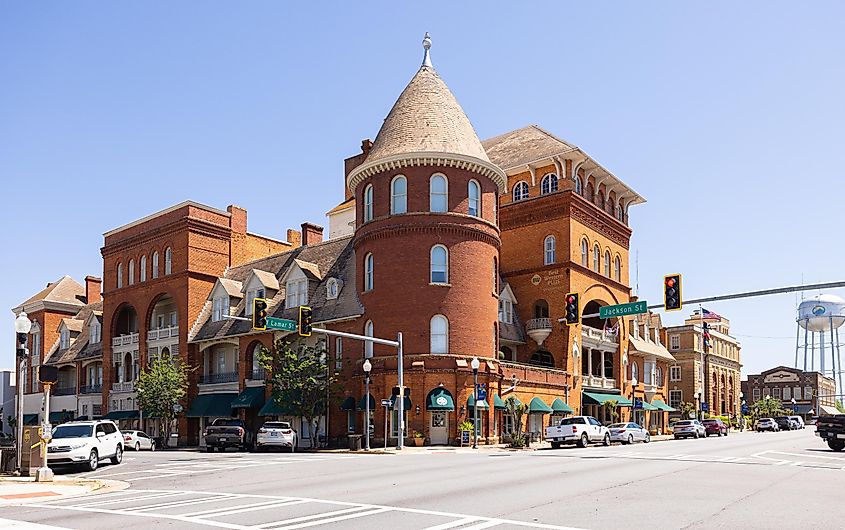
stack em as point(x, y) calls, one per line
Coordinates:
point(419, 442)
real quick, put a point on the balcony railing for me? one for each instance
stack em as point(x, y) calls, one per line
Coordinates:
point(64, 391)
point(163, 333)
point(126, 386)
point(91, 389)
point(599, 382)
point(125, 340)
point(597, 335)
point(258, 374)
point(538, 323)
point(227, 377)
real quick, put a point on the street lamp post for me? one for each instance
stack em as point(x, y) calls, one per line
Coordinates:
point(698, 405)
point(22, 328)
point(475, 364)
point(367, 367)
point(793, 406)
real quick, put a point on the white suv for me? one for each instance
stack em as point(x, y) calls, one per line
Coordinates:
point(86, 443)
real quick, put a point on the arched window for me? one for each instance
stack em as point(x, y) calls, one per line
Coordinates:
point(495, 276)
point(541, 309)
point(617, 269)
point(143, 273)
point(549, 254)
point(368, 346)
point(585, 259)
point(368, 203)
point(520, 191)
point(474, 198)
point(155, 265)
point(168, 261)
point(618, 212)
point(438, 194)
point(439, 264)
point(256, 362)
point(607, 263)
point(579, 188)
point(600, 199)
point(548, 184)
point(635, 372)
point(131, 271)
point(439, 334)
point(368, 272)
point(596, 258)
point(659, 376)
point(399, 195)
point(119, 275)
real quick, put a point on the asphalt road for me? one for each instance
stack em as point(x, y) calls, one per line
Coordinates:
point(750, 480)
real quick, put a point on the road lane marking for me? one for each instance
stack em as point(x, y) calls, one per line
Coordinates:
point(215, 510)
point(174, 504)
point(486, 524)
point(278, 524)
point(334, 519)
point(134, 499)
point(243, 509)
point(453, 524)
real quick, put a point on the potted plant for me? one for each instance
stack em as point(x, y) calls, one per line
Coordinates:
point(419, 438)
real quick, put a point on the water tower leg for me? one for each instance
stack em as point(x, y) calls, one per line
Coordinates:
point(805, 348)
point(813, 351)
point(821, 351)
point(832, 351)
point(797, 337)
point(840, 388)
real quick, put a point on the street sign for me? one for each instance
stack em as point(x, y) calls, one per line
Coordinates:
point(638, 403)
point(633, 308)
point(744, 408)
point(282, 324)
point(387, 403)
point(704, 406)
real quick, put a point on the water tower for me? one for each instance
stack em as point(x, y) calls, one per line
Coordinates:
point(821, 317)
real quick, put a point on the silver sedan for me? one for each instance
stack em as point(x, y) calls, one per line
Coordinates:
point(628, 433)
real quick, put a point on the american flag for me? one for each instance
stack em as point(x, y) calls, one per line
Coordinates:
point(706, 313)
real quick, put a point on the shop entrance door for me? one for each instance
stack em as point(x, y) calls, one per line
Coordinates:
point(438, 429)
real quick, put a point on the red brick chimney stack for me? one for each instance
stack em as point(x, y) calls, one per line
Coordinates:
point(238, 220)
point(311, 234)
point(92, 289)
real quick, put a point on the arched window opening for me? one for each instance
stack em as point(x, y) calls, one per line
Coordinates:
point(119, 275)
point(541, 309)
point(617, 269)
point(550, 250)
point(168, 261)
point(542, 358)
point(131, 271)
point(596, 258)
point(439, 334)
point(155, 265)
point(579, 188)
point(635, 372)
point(368, 203)
point(368, 272)
point(548, 184)
point(439, 264)
point(474, 198)
point(143, 273)
point(607, 263)
point(438, 194)
point(520, 191)
point(399, 195)
point(585, 253)
point(368, 346)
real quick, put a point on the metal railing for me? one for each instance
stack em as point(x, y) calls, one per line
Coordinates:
point(227, 377)
point(91, 389)
point(126, 386)
point(538, 323)
point(258, 374)
point(63, 391)
point(124, 340)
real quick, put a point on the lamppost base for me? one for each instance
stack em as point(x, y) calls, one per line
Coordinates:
point(43, 474)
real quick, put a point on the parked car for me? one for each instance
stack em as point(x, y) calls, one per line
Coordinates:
point(714, 426)
point(799, 420)
point(85, 443)
point(785, 423)
point(227, 432)
point(831, 429)
point(579, 430)
point(628, 433)
point(689, 429)
point(767, 424)
point(276, 434)
point(6, 441)
point(138, 440)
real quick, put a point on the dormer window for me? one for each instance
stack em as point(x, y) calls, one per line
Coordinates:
point(251, 295)
point(505, 311)
point(296, 292)
point(95, 333)
point(220, 308)
point(332, 288)
point(64, 339)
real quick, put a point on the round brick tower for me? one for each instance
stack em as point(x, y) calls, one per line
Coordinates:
point(427, 240)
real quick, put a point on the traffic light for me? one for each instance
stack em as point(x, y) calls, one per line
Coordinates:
point(672, 292)
point(572, 310)
point(259, 314)
point(305, 317)
point(48, 374)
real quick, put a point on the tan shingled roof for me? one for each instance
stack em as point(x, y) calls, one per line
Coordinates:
point(523, 146)
point(267, 279)
point(307, 266)
point(233, 288)
point(65, 290)
point(426, 118)
point(72, 324)
point(348, 203)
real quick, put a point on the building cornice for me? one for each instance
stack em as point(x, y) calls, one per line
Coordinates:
point(428, 158)
point(390, 230)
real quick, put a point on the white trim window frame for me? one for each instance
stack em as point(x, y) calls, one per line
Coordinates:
point(439, 331)
point(674, 373)
point(674, 342)
point(607, 263)
point(549, 250)
point(168, 261)
point(549, 184)
point(474, 198)
point(438, 190)
point(368, 345)
point(399, 195)
point(368, 203)
point(585, 253)
point(439, 261)
point(142, 273)
point(676, 397)
point(154, 272)
point(369, 265)
point(520, 191)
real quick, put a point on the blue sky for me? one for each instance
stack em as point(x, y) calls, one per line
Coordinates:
point(726, 117)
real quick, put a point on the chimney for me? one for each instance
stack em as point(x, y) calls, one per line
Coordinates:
point(92, 289)
point(311, 234)
point(354, 161)
point(294, 237)
point(237, 221)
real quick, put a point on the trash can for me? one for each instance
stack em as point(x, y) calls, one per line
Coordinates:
point(355, 442)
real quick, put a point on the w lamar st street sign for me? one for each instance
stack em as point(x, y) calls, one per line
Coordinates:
point(621, 310)
point(282, 324)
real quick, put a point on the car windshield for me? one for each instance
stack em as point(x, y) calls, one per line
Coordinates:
point(683, 424)
point(708, 421)
point(618, 425)
point(572, 421)
point(72, 431)
point(228, 423)
point(277, 425)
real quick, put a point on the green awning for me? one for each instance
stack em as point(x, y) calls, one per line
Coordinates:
point(649, 406)
point(499, 403)
point(538, 406)
point(406, 403)
point(121, 415)
point(251, 397)
point(594, 398)
point(482, 404)
point(273, 408)
point(348, 404)
point(439, 399)
point(30, 419)
point(362, 405)
point(662, 405)
point(211, 406)
point(560, 407)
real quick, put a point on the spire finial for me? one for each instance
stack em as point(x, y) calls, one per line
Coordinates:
point(427, 45)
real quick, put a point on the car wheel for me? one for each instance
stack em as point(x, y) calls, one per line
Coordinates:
point(555, 445)
point(93, 461)
point(677, 437)
point(118, 455)
point(836, 445)
point(606, 441)
point(137, 446)
point(695, 435)
point(647, 438)
point(630, 439)
point(584, 441)
point(209, 449)
point(152, 446)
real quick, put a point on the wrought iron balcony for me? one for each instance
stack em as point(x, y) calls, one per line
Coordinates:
point(258, 374)
point(63, 391)
point(227, 377)
point(163, 333)
point(126, 386)
point(91, 389)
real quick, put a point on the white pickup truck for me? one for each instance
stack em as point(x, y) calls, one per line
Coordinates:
point(577, 429)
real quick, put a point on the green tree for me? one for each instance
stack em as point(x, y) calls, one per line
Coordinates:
point(162, 385)
point(839, 406)
point(687, 409)
point(301, 381)
point(517, 411)
point(768, 407)
point(611, 408)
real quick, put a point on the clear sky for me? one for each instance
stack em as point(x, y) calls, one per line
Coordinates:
point(726, 116)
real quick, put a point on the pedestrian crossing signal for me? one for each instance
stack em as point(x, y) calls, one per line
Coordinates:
point(305, 318)
point(672, 292)
point(572, 309)
point(259, 314)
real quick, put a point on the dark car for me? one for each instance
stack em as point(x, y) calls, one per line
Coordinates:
point(714, 426)
point(786, 423)
point(6, 441)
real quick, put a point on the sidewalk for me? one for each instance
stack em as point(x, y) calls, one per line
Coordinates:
point(20, 490)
